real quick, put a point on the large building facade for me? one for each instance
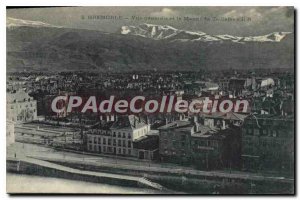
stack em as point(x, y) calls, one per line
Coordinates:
point(20, 107)
point(268, 143)
point(117, 137)
point(192, 143)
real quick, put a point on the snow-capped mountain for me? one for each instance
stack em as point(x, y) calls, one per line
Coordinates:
point(165, 32)
point(46, 47)
point(12, 22)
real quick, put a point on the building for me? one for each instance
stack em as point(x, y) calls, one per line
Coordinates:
point(192, 143)
point(237, 85)
point(224, 84)
point(117, 137)
point(219, 120)
point(20, 107)
point(211, 149)
point(47, 134)
point(268, 143)
point(10, 133)
point(175, 140)
point(146, 147)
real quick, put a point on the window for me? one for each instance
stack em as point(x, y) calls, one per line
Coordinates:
point(264, 132)
point(124, 151)
point(109, 141)
point(119, 143)
point(208, 143)
point(114, 142)
point(129, 136)
point(104, 140)
point(124, 143)
point(182, 137)
point(119, 150)
point(249, 131)
point(244, 131)
point(129, 151)
point(174, 142)
point(129, 144)
point(202, 143)
point(124, 136)
point(119, 135)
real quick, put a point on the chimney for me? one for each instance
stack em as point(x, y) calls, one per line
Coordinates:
point(180, 117)
point(112, 117)
point(195, 118)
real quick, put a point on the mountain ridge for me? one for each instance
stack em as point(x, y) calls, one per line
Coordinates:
point(13, 22)
point(48, 48)
point(166, 32)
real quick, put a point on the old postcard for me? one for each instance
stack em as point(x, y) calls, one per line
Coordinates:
point(150, 100)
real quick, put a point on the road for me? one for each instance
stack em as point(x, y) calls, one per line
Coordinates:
point(22, 150)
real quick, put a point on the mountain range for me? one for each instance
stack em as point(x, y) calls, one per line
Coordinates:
point(165, 32)
point(12, 23)
point(38, 46)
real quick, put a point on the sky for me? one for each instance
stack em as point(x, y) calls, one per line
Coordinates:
point(264, 20)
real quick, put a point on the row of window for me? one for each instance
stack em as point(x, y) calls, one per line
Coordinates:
point(173, 152)
point(20, 106)
point(266, 132)
point(20, 118)
point(141, 132)
point(273, 143)
point(110, 141)
point(175, 143)
point(197, 143)
point(169, 134)
point(119, 135)
point(105, 149)
point(207, 143)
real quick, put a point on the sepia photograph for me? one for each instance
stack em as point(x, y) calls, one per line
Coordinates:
point(150, 100)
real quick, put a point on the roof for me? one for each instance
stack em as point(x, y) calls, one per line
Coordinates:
point(20, 95)
point(176, 124)
point(104, 125)
point(202, 131)
point(228, 115)
point(129, 122)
